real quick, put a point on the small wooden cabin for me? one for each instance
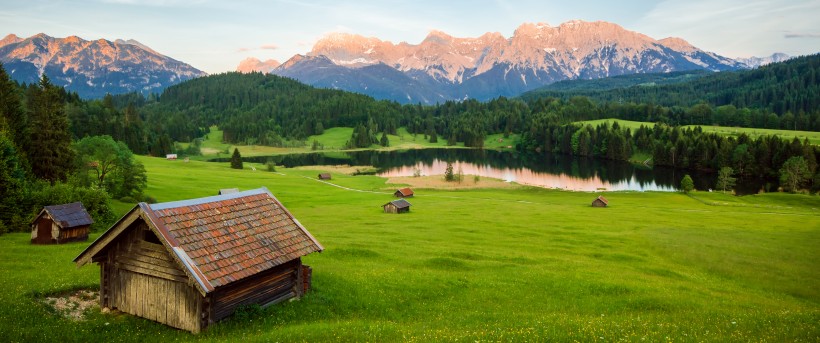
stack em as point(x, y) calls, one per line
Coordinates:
point(228, 191)
point(190, 263)
point(60, 224)
point(403, 193)
point(600, 201)
point(324, 176)
point(397, 206)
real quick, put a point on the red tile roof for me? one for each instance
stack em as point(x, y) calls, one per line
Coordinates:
point(230, 237)
point(406, 192)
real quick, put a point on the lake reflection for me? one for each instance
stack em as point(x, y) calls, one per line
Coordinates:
point(526, 176)
point(542, 170)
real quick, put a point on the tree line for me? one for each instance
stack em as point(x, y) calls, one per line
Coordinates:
point(790, 87)
point(44, 162)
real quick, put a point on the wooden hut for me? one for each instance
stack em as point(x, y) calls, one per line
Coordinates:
point(324, 176)
point(600, 201)
point(191, 263)
point(403, 193)
point(61, 224)
point(397, 206)
point(228, 191)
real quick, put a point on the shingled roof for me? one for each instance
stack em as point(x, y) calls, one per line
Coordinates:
point(68, 215)
point(405, 192)
point(223, 238)
point(401, 203)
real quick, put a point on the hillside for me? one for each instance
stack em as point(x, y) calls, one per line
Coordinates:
point(790, 86)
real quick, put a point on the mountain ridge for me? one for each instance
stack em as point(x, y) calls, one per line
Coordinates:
point(492, 65)
point(92, 68)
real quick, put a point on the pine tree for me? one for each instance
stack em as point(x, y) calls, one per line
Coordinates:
point(384, 141)
point(12, 116)
point(236, 159)
point(50, 152)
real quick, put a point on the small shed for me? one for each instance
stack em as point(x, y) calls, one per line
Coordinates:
point(190, 263)
point(397, 206)
point(403, 193)
point(324, 176)
point(600, 201)
point(228, 191)
point(61, 224)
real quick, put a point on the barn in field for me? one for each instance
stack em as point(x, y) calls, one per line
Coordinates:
point(600, 201)
point(397, 206)
point(403, 193)
point(191, 263)
point(61, 224)
point(324, 176)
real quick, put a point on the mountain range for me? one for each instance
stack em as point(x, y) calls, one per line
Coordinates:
point(92, 68)
point(438, 69)
point(443, 67)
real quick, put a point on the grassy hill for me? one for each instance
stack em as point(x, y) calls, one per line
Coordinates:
point(812, 136)
point(520, 264)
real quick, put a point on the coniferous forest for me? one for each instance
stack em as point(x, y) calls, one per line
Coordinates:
point(42, 127)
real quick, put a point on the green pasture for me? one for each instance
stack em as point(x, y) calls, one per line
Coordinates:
point(334, 139)
point(813, 137)
point(512, 265)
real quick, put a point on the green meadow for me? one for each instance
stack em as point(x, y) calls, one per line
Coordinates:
point(515, 265)
point(813, 137)
point(335, 139)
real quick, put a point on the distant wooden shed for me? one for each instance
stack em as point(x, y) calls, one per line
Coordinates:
point(228, 191)
point(61, 224)
point(403, 193)
point(190, 263)
point(600, 201)
point(324, 176)
point(397, 206)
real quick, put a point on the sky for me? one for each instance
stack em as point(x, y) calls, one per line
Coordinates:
point(214, 36)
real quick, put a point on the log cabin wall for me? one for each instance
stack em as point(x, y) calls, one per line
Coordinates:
point(266, 288)
point(74, 234)
point(141, 278)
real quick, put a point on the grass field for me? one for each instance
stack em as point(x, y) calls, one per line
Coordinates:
point(334, 139)
point(520, 264)
point(814, 137)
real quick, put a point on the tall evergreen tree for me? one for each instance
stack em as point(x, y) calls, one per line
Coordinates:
point(236, 159)
point(49, 150)
point(12, 116)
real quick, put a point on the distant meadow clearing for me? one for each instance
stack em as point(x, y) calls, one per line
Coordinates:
point(479, 264)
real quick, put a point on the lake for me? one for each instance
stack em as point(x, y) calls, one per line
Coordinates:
point(549, 171)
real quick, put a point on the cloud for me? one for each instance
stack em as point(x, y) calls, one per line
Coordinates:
point(802, 35)
point(261, 47)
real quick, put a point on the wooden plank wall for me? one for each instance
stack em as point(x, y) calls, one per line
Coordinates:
point(146, 282)
point(269, 287)
point(75, 234)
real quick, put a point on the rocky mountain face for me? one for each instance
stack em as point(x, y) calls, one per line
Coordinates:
point(754, 62)
point(443, 67)
point(251, 64)
point(92, 68)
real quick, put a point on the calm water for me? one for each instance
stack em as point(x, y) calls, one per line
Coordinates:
point(550, 171)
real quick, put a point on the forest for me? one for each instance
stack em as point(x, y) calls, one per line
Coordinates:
point(42, 126)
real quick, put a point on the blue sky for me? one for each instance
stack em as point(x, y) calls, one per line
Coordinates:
point(215, 36)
